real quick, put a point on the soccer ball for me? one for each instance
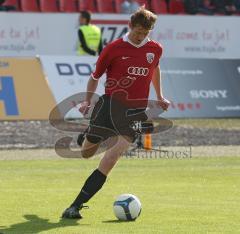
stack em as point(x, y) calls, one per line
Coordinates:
point(127, 207)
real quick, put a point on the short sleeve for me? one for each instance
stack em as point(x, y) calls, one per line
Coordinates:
point(102, 64)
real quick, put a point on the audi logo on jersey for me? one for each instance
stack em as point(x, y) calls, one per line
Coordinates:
point(138, 71)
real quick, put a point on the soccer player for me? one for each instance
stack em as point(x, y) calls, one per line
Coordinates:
point(131, 63)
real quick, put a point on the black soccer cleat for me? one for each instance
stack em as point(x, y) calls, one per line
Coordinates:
point(72, 212)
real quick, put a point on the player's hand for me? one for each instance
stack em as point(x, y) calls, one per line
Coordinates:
point(164, 103)
point(84, 107)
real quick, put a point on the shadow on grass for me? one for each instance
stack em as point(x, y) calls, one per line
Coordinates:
point(118, 221)
point(35, 224)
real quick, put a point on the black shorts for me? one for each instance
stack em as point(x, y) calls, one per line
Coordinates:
point(111, 118)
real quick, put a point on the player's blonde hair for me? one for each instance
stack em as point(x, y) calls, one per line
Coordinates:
point(144, 18)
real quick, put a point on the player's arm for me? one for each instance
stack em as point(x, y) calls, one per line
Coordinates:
point(91, 88)
point(156, 80)
point(101, 66)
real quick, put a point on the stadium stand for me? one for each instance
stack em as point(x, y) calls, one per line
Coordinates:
point(82, 5)
point(14, 3)
point(114, 6)
point(144, 2)
point(89, 5)
point(68, 6)
point(49, 5)
point(159, 6)
point(29, 6)
point(176, 7)
point(118, 5)
point(106, 6)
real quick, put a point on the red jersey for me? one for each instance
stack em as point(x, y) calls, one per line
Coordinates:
point(128, 67)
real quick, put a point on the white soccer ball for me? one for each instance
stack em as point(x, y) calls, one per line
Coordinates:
point(127, 207)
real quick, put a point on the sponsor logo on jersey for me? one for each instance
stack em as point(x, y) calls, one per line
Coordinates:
point(138, 71)
point(150, 57)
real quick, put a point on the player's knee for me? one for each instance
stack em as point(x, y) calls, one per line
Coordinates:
point(88, 149)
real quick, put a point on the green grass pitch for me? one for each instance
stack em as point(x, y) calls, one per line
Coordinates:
point(195, 195)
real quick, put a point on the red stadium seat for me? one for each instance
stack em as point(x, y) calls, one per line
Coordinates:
point(82, 5)
point(29, 5)
point(49, 5)
point(14, 3)
point(176, 7)
point(105, 6)
point(68, 5)
point(159, 6)
point(89, 5)
point(118, 5)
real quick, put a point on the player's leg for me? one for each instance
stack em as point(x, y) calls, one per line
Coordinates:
point(112, 155)
point(101, 128)
point(96, 180)
point(91, 138)
point(88, 150)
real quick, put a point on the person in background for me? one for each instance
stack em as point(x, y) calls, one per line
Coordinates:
point(90, 38)
point(129, 6)
point(237, 5)
point(225, 7)
point(230, 6)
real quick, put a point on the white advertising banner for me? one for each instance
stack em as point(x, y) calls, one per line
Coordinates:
point(30, 34)
point(198, 36)
point(67, 76)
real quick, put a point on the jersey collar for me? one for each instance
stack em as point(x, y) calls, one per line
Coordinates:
point(126, 39)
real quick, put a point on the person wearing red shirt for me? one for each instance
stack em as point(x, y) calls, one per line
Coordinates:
point(131, 63)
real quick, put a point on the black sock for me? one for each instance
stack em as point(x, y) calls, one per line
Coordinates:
point(92, 185)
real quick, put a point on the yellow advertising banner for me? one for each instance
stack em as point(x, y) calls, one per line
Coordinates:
point(24, 92)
